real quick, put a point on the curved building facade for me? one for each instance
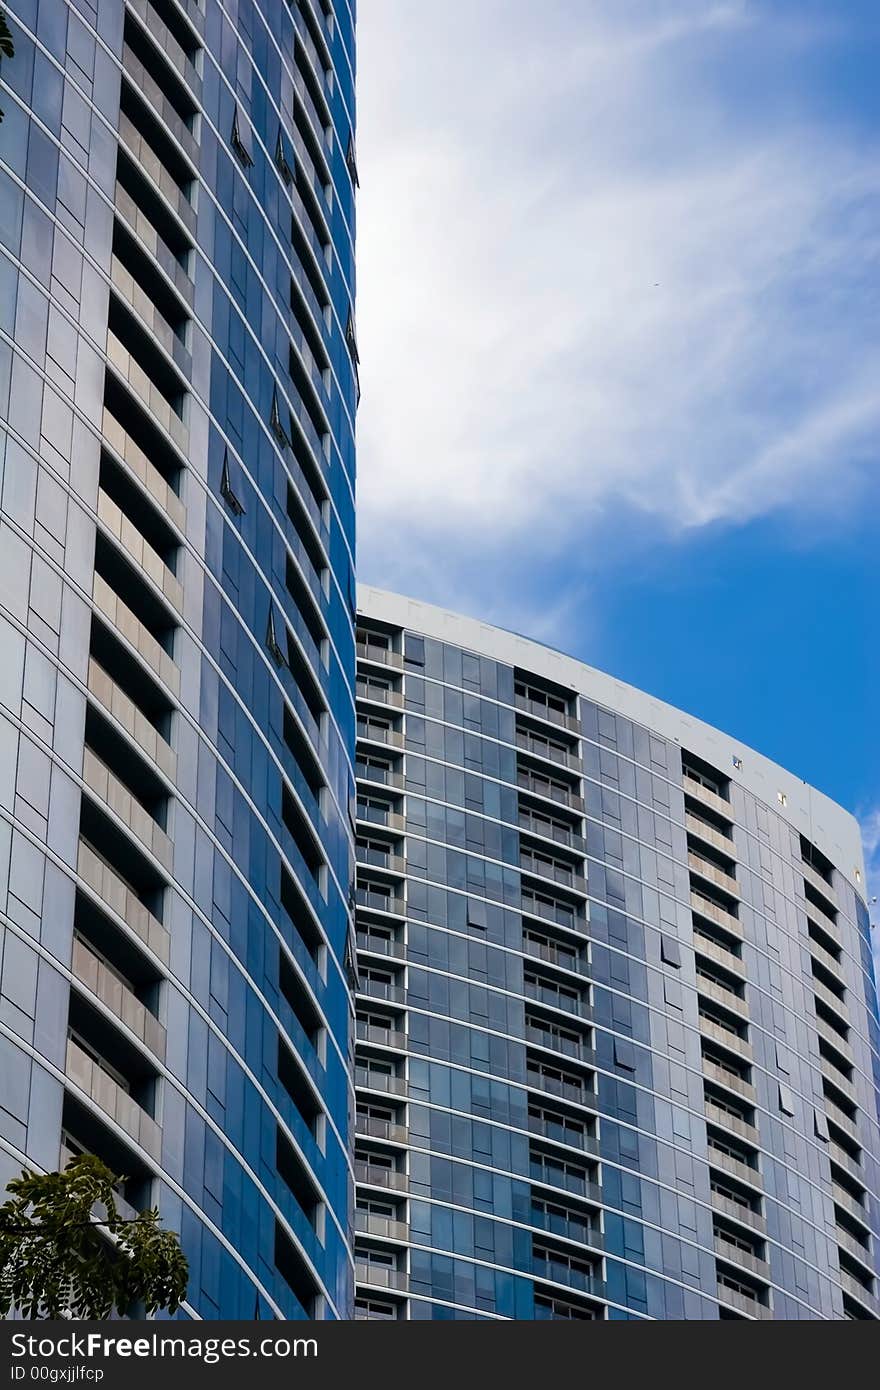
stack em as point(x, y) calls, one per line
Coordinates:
point(617, 1040)
point(178, 385)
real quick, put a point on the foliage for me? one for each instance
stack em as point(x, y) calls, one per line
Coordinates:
point(7, 47)
point(66, 1252)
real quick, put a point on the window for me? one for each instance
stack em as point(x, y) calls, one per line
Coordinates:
point(670, 952)
point(476, 914)
point(414, 649)
point(274, 647)
point(281, 159)
point(624, 1054)
point(786, 1100)
point(236, 506)
point(351, 162)
point(820, 1125)
point(241, 140)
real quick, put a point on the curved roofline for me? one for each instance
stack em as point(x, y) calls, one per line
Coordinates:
point(810, 812)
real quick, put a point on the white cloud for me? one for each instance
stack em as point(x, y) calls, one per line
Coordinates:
point(591, 280)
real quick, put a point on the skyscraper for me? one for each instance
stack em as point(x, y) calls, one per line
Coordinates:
point(178, 383)
point(617, 1039)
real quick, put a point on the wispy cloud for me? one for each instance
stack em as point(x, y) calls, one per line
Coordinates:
point(595, 280)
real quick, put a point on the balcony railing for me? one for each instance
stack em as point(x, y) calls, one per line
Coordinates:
point(553, 716)
point(375, 1175)
point(381, 945)
point(380, 902)
point(118, 997)
point(380, 656)
point(380, 1276)
point(388, 1130)
point(542, 748)
point(380, 1081)
point(385, 1226)
point(110, 1097)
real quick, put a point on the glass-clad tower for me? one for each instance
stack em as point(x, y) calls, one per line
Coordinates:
point(177, 395)
point(617, 1038)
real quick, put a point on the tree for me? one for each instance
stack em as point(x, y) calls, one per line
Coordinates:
point(66, 1252)
point(7, 47)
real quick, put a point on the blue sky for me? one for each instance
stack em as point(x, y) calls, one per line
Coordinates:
point(618, 314)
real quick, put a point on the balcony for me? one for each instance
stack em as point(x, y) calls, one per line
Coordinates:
point(574, 1227)
point(381, 1037)
point(554, 1042)
point(552, 830)
point(379, 989)
point(173, 50)
point(724, 1078)
point(742, 1171)
point(713, 950)
point(707, 797)
point(380, 902)
point(831, 1001)
point(375, 1175)
point(559, 1271)
point(842, 1120)
point(113, 1100)
point(122, 619)
point(380, 1081)
point(708, 833)
point(114, 793)
point(546, 994)
point(388, 1130)
point(536, 785)
point(118, 997)
point(126, 713)
point(857, 1290)
point(830, 962)
point(541, 748)
point(381, 859)
point(721, 994)
point(698, 865)
point(122, 899)
point(567, 1090)
point(555, 955)
point(380, 1276)
point(835, 1041)
point(375, 733)
point(731, 1252)
point(381, 816)
point(734, 1124)
point(820, 884)
point(705, 907)
point(553, 716)
point(380, 945)
point(553, 873)
point(725, 1038)
point(566, 1134)
point(848, 1203)
point(750, 1307)
point(385, 1226)
point(379, 695)
point(855, 1249)
point(378, 655)
point(746, 1217)
point(149, 477)
point(371, 775)
point(548, 911)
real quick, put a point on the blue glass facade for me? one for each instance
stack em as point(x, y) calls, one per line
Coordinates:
point(178, 385)
point(617, 1043)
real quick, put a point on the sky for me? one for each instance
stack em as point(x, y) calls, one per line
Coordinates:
point(618, 308)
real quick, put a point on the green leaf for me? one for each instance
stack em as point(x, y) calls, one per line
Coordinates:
point(65, 1249)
